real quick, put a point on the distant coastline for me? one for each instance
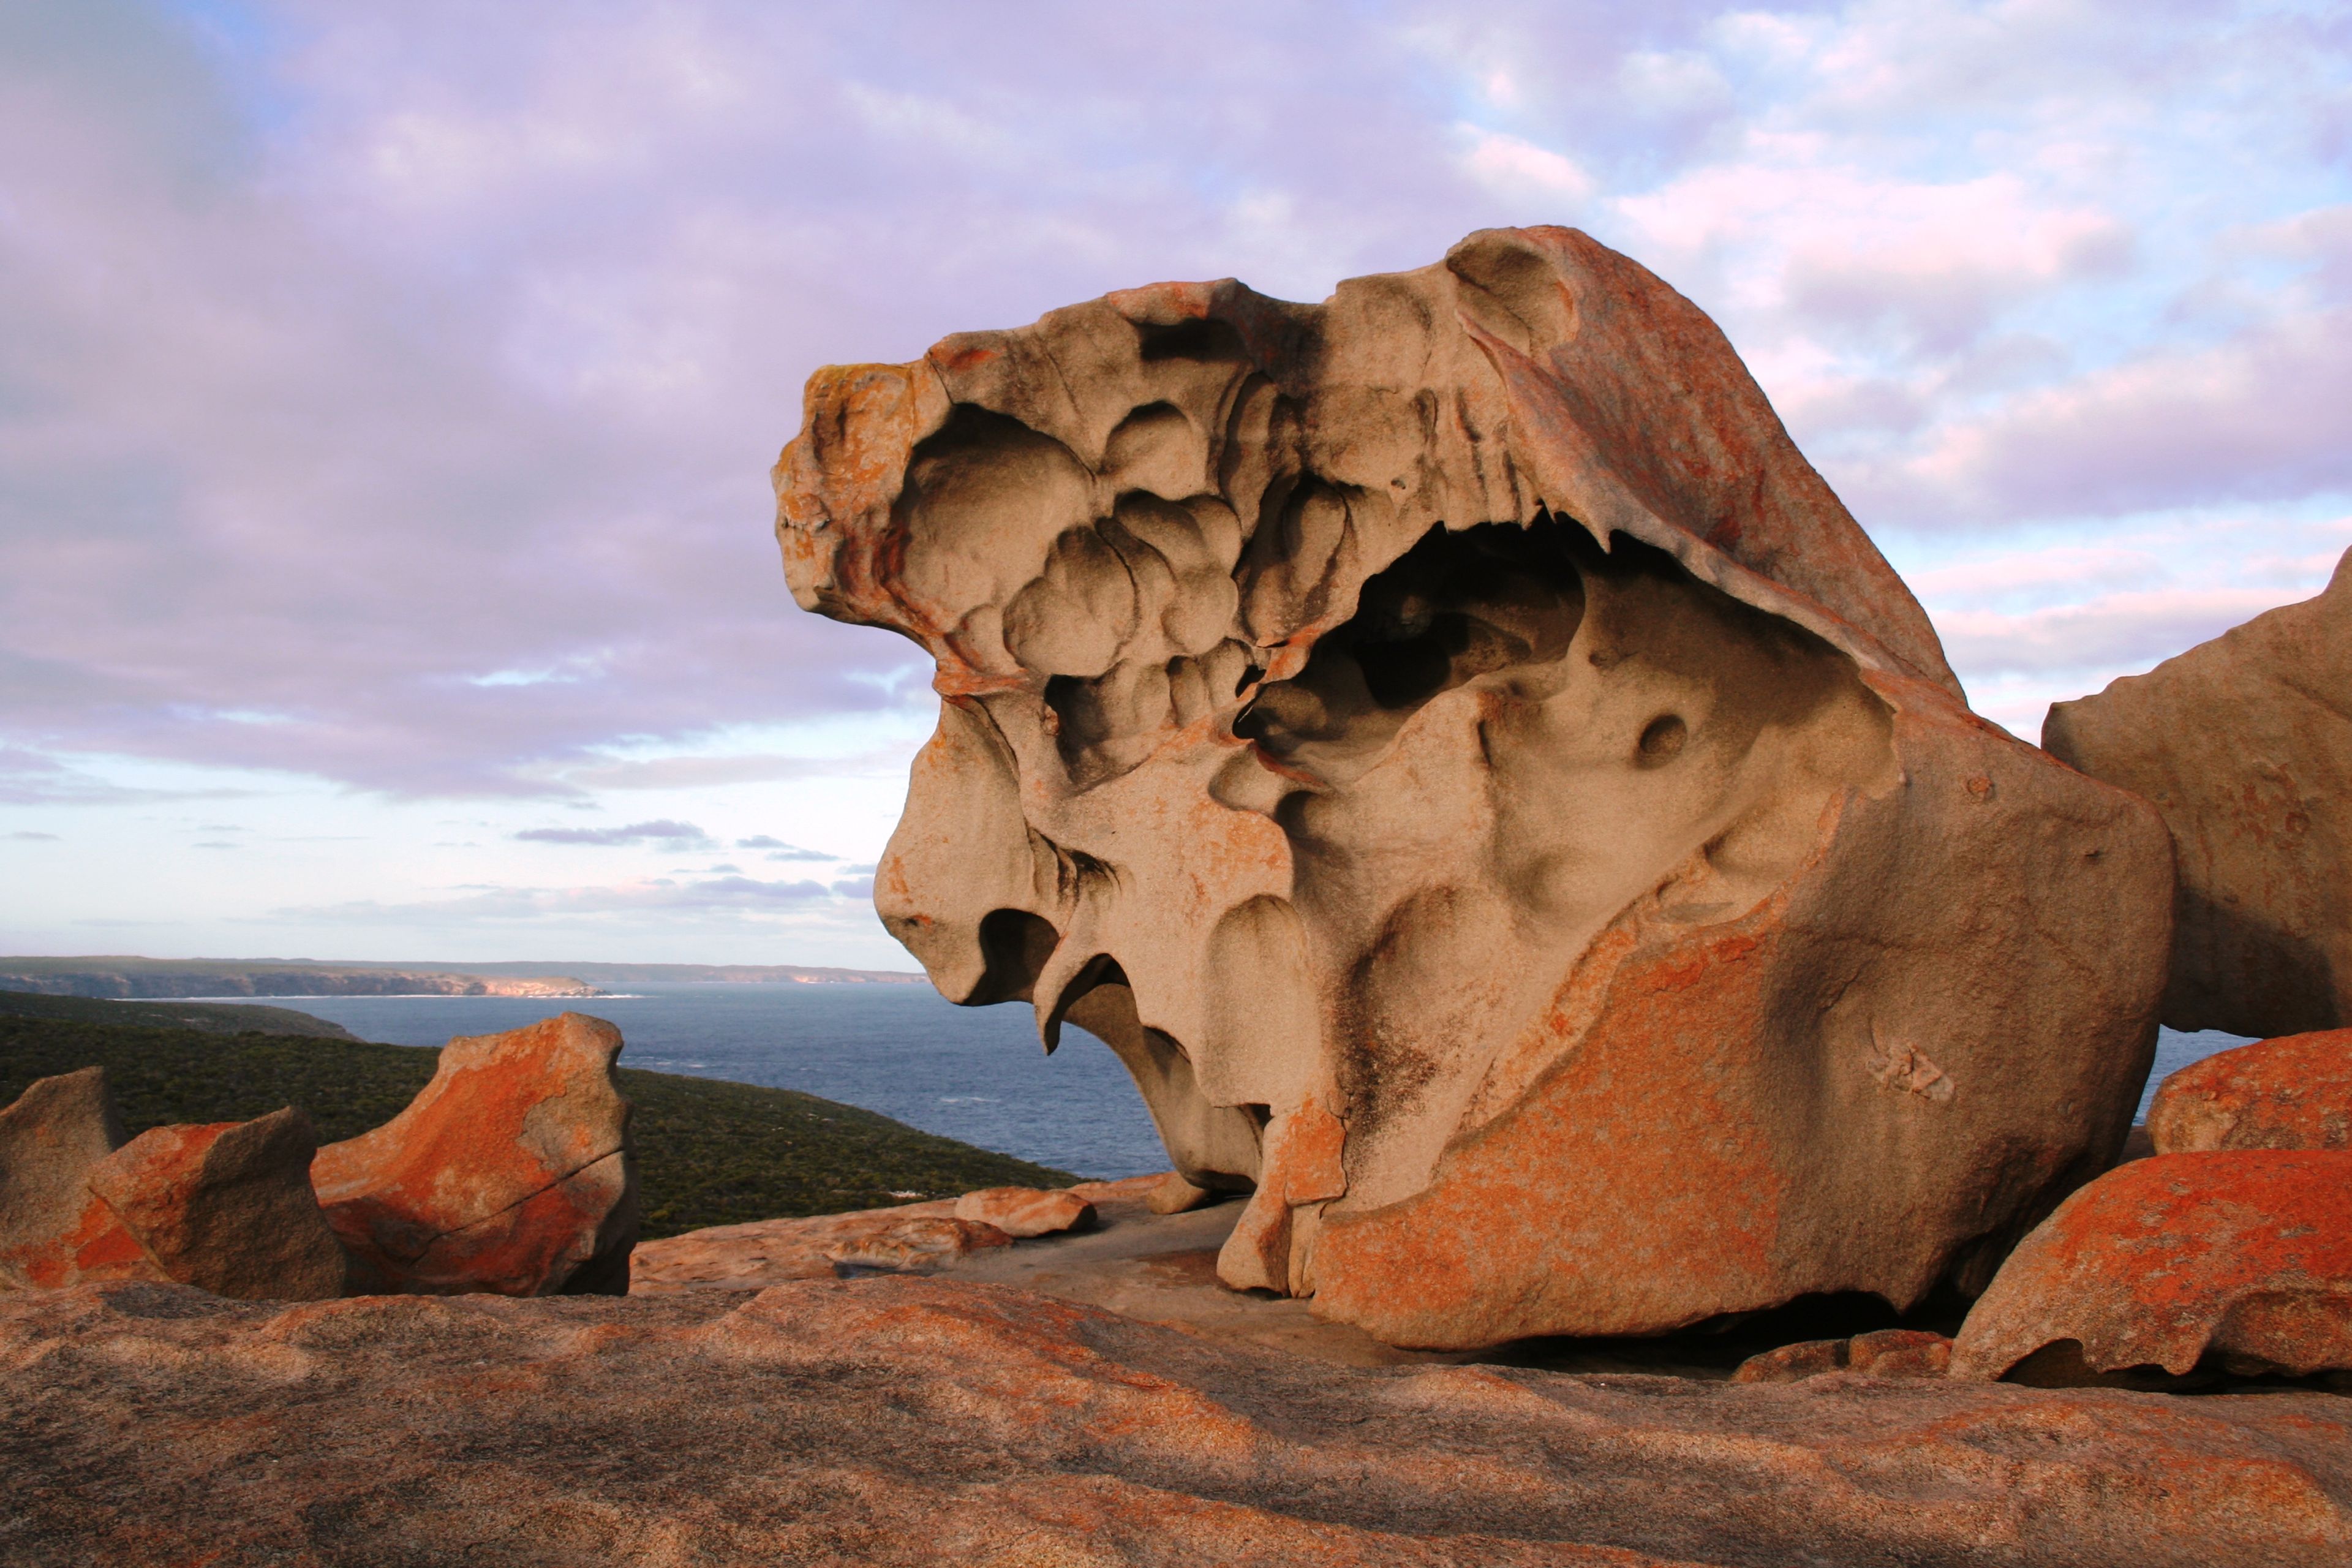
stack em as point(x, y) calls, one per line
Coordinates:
point(129, 978)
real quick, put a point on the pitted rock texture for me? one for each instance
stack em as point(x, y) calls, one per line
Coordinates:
point(2289, 1093)
point(53, 1229)
point(908, 1421)
point(2245, 743)
point(1502, 810)
point(2243, 1257)
point(227, 1208)
point(509, 1173)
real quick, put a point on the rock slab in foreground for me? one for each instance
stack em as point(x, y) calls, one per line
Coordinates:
point(2294, 1092)
point(2245, 743)
point(2244, 1256)
point(1500, 805)
point(905, 1421)
point(509, 1173)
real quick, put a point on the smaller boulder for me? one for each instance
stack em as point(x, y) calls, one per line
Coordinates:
point(915, 1246)
point(1899, 1353)
point(509, 1173)
point(2294, 1093)
point(1884, 1352)
point(1791, 1364)
point(227, 1208)
point(1024, 1212)
point(1174, 1194)
point(2244, 1255)
point(54, 1231)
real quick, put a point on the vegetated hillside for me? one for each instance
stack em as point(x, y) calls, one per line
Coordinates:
point(214, 1017)
point(115, 975)
point(709, 1152)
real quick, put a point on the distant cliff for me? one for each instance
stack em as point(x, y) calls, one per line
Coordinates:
point(165, 977)
point(714, 973)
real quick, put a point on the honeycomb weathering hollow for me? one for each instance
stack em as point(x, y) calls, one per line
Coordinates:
point(1500, 805)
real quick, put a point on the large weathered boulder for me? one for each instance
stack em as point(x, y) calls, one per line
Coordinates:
point(227, 1208)
point(53, 1229)
point(1500, 807)
point(2245, 743)
point(914, 1422)
point(2245, 1257)
point(2289, 1093)
point(509, 1173)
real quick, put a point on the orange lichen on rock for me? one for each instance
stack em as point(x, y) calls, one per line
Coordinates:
point(2294, 1093)
point(2244, 1255)
point(227, 1208)
point(53, 1229)
point(509, 1173)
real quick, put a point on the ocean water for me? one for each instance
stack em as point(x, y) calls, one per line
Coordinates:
point(973, 1073)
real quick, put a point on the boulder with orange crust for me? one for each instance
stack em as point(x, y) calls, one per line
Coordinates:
point(1498, 803)
point(53, 1229)
point(509, 1173)
point(227, 1208)
point(2294, 1092)
point(2245, 1257)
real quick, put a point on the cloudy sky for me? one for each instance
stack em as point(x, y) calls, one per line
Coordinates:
point(387, 390)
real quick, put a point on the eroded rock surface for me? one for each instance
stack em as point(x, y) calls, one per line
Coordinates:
point(509, 1173)
point(2245, 1257)
point(2289, 1093)
point(2245, 743)
point(1500, 807)
point(227, 1208)
point(53, 1229)
point(909, 1421)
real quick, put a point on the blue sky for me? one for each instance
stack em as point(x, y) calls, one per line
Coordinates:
point(386, 392)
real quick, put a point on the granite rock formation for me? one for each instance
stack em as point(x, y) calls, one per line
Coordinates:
point(1498, 805)
point(2289, 1093)
point(53, 1229)
point(2245, 1257)
point(227, 1208)
point(911, 1421)
point(2245, 743)
point(509, 1173)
